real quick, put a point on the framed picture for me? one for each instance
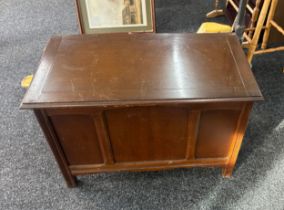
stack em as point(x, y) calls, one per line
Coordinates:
point(116, 16)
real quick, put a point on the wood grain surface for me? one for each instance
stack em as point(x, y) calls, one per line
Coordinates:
point(98, 70)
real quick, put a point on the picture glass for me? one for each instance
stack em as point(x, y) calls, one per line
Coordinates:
point(116, 13)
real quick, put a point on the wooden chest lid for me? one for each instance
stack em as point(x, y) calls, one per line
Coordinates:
point(122, 69)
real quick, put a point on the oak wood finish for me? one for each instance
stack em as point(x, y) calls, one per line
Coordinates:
point(270, 23)
point(143, 101)
point(259, 26)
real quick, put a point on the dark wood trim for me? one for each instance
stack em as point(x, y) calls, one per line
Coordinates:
point(192, 106)
point(239, 134)
point(68, 111)
point(55, 147)
point(193, 126)
point(103, 138)
point(149, 166)
point(134, 103)
point(79, 17)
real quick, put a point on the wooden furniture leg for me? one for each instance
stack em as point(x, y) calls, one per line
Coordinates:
point(268, 23)
point(216, 12)
point(260, 23)
point(254, 17)
point(239, 134)
point(252, 45)
point(56, 149)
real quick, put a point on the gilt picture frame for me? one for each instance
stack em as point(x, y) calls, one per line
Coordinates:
point(116, 16)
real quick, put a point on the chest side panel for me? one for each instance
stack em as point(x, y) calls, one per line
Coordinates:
point(148, 134)
point(78, 138)
point(216, 132)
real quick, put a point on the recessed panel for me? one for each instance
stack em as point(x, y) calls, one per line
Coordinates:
point(78, 138)
point(148, 134)
point(216, 131)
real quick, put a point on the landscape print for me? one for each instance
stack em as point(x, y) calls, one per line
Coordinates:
point(116, 13)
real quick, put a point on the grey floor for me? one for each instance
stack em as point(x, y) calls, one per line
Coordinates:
point(30, 179)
